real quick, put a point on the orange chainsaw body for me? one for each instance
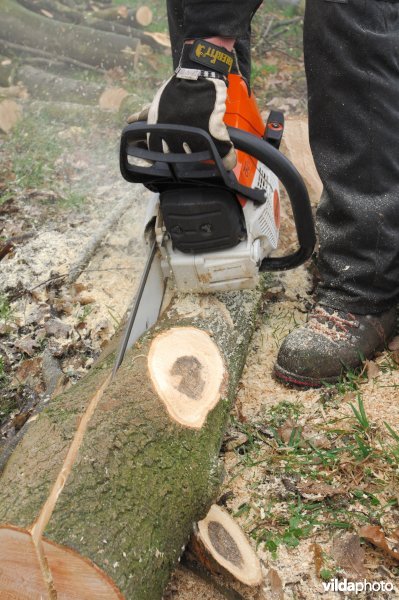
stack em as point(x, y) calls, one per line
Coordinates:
point(243, 113)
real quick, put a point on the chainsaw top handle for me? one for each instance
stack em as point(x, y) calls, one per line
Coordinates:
point(165, 170)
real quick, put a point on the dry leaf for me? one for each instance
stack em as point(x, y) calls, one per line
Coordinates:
point(349, 397)
point(64, 304)
point(78, 286)
point(373, 370)
point(375, 535)
point(19, 420)
point(394, 343)
point(85, 299)
point(289, 430)
point(318, 558)
point(235, 440)
point(112, 98)
point(28, 371)
point(57, 328)
point(27, 345)
point(349, 554)
point(315, 490)
point(46, 13)
point(276, 585)
point(10, 114)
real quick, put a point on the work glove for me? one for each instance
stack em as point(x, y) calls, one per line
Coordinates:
point(194, 96)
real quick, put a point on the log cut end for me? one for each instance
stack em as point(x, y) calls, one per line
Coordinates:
point(144, 16)
point(220, 540)
point(47, 570)
point(188, 373)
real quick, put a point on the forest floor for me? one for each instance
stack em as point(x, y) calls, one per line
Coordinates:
point(306, 471)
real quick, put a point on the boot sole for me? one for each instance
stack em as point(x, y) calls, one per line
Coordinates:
point(299, 381)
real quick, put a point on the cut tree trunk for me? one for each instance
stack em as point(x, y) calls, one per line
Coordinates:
point(100, 495)
point(220, 545)
point(91, 46)
point(46, 86)
point(141, 16)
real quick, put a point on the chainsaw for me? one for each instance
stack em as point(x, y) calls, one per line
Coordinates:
point(208, 229)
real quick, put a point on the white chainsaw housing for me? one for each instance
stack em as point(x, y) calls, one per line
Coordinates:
point(236, 268)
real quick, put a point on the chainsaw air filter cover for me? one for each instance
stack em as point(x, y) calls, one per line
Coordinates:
point(202, 219)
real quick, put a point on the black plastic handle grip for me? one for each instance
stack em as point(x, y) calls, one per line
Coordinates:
point(166, 168)
point(297, 193)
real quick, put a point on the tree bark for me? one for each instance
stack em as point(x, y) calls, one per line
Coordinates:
point(84, 44)
point(101, 494)
point(46, 86)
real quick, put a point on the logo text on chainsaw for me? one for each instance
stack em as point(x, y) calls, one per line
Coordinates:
point(213, 55)
point(336, 585)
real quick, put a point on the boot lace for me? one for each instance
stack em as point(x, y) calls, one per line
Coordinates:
point(332, 324)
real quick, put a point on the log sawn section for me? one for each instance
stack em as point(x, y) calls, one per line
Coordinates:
point(99, 498)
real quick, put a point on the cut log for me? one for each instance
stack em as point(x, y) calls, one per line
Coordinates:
point(158, 41)
point(141, 16)
point(53, 8)
point(91, 46)
point(42, 85)
point(46, 86)
point(6, 71)
point(101, 494)
point(222, 548)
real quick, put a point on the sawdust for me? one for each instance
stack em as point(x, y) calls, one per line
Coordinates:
point(49, 251)
point(257, 396)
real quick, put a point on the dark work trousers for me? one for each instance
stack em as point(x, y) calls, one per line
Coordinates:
point(352, 68)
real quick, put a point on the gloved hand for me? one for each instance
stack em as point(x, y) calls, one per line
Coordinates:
point(194, 96)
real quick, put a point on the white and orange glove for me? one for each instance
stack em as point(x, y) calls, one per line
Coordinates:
point(194, 96)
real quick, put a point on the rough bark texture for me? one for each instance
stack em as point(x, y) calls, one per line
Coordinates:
point(140, 480)
point(91, 46)
point(46, 86)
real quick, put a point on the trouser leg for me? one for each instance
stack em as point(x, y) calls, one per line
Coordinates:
point(352, 67)
point(176, 30)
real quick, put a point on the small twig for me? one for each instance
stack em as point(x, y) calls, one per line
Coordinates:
point(264, 34)
point(285, 22)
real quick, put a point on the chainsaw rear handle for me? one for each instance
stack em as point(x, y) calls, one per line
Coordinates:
point(297, 193)
point(165, 170)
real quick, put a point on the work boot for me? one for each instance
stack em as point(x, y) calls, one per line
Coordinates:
point(330, 343)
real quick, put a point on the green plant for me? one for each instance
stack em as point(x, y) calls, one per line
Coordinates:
point(360, 414)
point(2, 370)
point(5, 309)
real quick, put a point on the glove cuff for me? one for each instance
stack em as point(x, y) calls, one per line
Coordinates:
point(218, 61)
